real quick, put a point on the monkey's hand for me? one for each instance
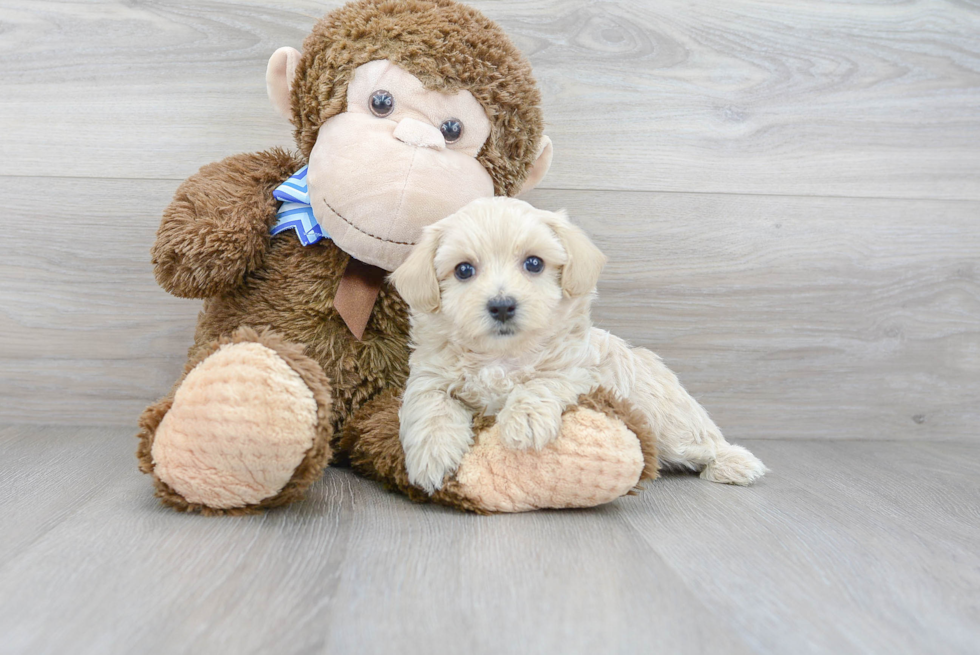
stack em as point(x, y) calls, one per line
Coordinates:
point(216, 229)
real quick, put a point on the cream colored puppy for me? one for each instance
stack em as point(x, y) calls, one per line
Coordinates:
point(500, 294)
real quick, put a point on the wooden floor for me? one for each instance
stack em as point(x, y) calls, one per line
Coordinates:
point(846, 547)
point(789, 195)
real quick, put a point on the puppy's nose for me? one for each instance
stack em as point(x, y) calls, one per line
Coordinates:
point(502, 309)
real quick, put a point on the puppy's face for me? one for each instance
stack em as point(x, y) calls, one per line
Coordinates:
point(499, 276)
point(497, 272)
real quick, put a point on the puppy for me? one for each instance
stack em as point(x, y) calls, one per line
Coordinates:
point(500, 294)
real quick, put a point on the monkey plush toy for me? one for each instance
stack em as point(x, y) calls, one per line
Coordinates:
point(404, 111)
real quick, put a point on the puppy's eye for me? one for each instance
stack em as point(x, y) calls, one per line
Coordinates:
point(381, 103)
point(533, 264)
point(451, 130)
point(465, 271)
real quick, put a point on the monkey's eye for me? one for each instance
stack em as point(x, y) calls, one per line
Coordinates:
point(382, 103)
point(533, 264)
point(465, 271)
point(451, 130)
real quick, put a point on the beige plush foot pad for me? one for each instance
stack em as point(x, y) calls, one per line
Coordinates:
point(595, 460)
point(240, 425)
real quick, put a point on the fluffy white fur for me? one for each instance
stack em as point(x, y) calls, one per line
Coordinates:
point(527, 370)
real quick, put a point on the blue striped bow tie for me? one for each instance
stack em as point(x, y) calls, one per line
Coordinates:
point(295, 212)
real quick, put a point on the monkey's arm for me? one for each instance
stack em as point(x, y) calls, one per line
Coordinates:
point(598, 457)
point(216, 229)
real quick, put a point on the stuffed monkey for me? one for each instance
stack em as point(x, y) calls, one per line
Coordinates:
point(404, 111)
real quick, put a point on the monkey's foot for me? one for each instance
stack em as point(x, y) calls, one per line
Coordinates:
point(604, 449)
point(248, 427)
point(595, 460)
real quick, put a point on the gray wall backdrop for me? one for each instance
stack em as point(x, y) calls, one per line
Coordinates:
point(789, 194)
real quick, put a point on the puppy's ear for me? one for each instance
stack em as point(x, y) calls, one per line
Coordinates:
point(416, 279)
point(585, 261)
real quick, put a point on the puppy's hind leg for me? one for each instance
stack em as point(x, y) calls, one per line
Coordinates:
point(686, 435)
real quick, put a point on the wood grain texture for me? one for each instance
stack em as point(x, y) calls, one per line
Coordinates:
point(788, 195)
point(86, 332)
point(792, 98)
point(799, 317)
point(787, 317)
point(48, 476)
point(876, 541)
point(845, 547)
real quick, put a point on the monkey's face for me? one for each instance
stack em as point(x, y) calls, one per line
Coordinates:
point(401, 157)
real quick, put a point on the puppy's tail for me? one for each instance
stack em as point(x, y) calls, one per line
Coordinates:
point(686, 436)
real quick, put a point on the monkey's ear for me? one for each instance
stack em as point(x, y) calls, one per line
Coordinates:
point(416, 278)
point(540, 166)
point(279, 79)
point(580, 273)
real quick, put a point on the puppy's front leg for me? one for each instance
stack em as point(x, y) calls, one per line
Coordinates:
point(436, 431)
point(531, 415)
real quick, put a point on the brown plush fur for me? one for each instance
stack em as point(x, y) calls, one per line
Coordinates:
point(449, 47)
point(313, 463)
point(216, 229)
point(291, 293)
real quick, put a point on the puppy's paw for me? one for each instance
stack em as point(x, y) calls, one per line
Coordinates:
point(734, 465)
point(435, 453)
point(428, 475)
point(525, 426)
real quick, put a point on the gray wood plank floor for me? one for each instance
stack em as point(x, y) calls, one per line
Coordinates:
point(846, 547)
